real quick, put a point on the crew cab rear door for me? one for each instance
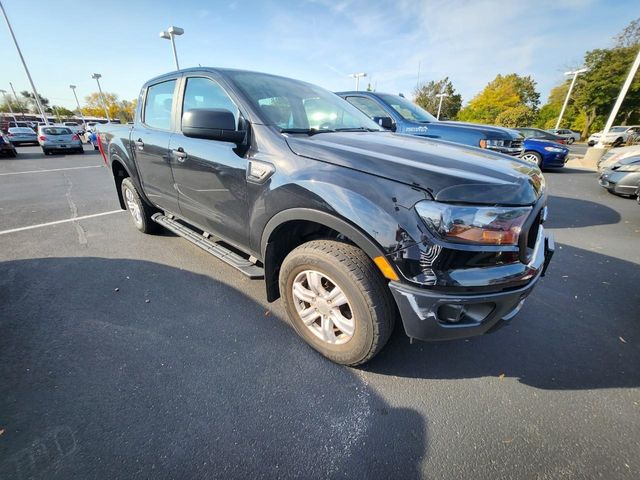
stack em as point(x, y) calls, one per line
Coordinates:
point(150, 144)
point(209, 175)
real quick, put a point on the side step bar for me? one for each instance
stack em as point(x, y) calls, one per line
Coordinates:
point(236, 261)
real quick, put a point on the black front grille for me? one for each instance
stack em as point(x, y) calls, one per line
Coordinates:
point(516, 143)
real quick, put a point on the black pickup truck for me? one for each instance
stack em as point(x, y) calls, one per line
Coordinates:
point(351, 225)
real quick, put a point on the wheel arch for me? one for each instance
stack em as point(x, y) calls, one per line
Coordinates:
point(286, 230)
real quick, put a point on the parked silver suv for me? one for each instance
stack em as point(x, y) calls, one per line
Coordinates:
point(55, 139)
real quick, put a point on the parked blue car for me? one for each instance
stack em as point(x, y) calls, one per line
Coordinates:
point(545, 153)
point(396, 113)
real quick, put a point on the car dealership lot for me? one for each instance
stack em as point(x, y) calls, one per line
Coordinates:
point(132, 357)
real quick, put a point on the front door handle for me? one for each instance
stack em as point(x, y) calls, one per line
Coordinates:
point(180, 154)
point(139, 144)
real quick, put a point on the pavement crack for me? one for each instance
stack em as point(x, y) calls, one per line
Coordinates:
point(82, 236)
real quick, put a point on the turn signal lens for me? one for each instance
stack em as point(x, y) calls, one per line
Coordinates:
point(385, 267)
point(468, 224)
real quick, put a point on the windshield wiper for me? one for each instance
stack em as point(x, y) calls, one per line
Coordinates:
point(358, 129)
point(308, 131)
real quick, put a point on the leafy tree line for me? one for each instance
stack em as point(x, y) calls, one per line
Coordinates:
point(512, 100)
point(120, 109)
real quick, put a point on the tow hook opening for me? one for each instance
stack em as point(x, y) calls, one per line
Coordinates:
point(464, 314)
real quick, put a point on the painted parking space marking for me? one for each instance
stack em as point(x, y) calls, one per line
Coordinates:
point(52, 170)
point(58, 222)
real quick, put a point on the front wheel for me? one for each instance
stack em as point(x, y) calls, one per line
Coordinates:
point(533, 157)
point(337, 301)
point(140, 212)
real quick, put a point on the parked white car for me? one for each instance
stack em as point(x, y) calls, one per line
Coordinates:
point(616, 136)
point(570, 135)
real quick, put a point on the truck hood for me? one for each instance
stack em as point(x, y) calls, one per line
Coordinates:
point(448, 171)
point(489, 130)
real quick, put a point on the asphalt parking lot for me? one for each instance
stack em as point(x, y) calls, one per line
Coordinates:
point(132, 356)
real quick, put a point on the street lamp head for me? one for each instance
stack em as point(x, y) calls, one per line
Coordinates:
point(576, 72)
point(358, 75)
point(175, 31)
point(3, 91)
point(72, 87)
point(96, 76)
point(165, 35)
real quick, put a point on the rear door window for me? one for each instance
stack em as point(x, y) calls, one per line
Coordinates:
point(159, 105)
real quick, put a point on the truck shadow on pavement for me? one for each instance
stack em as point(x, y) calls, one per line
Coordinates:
point(176, 375)
point(579, 329)
point(565, 212)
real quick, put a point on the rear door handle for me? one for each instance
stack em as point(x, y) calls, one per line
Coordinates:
point(180, 154)
point(139, 144)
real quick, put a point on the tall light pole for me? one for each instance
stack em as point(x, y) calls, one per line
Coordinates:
point(575, 74)
point(97, 77)
point(24, 64)
point(73, 88)
point(441, 95)
point(4, 94)
point(358, 76)
point(170, 34)
point(619, 100)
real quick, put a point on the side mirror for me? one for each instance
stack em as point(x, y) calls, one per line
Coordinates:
point(211, 124)
point(385, 122)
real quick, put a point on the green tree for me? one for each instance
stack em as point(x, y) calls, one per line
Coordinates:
point(503, 93)
point(18, 107)
point(520, 116)
point(596, 91)
point(548, 114)
point(30, 99)
point(425, 96)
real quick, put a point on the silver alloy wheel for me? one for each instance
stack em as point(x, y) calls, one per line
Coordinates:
point(530, 157)
point(133, 207)
point(323, 307)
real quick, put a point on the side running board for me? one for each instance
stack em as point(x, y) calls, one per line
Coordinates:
point(217, 250)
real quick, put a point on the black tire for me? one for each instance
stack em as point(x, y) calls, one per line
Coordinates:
point(369, 298)
point(143, 222)
point(537, 156)
point(13, 154)
point(570, 140)
point(45, 151)
point(80, 150)
point(95, 147)
point(617, 143)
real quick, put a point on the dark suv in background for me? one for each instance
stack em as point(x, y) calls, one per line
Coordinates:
point(397, 114)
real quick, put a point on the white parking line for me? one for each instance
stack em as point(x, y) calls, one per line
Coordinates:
point(57, 222)
point(52, 170)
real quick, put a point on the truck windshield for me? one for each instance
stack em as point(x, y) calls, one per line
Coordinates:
point(408, 110)
point(295, 106)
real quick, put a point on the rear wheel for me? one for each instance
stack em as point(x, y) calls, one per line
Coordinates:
point(570, 140)
point(617, 143)
point(337, 301)
point(13, 153)
point(45, 151)
point(533, 157)
point(140, 211)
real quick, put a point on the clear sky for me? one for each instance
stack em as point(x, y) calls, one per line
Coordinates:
point(320, 41)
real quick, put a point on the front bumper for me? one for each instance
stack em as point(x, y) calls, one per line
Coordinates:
point(432, 315)
point(622, 183)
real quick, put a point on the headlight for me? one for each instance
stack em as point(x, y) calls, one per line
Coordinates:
point(491, 143)
point(554, 149)
point(632, 167)
point(467, 224)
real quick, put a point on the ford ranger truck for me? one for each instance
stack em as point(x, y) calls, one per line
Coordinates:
point(396, 113)
point(350, 225)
